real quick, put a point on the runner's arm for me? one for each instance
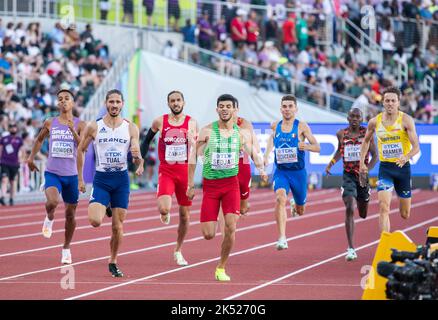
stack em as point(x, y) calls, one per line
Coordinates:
point(413, 137)
point(366, 144)
point(374, 155)
point(43, 134)
point(89, 134)
point(192, 137)
point(337, 155)
point(71, 126)
point(249, 148)
point(270, 144)
point(313, 145)
point(144, 148)
point(135, 148)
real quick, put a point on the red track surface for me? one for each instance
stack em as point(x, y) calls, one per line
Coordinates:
point(312, 268)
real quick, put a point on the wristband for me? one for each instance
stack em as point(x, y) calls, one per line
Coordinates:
point(332, 162)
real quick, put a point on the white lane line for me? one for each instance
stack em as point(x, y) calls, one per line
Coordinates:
point(306, 216)
point(128, 220)
point(246, 251)
point(237, 295)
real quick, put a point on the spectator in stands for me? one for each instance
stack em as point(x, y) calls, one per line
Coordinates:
point(387, 42)
point(238, 31)
point(289, 31)
point(220, 30)
point(188, 32)
point(149, 7)
point(252, 29)
point(173, 10)
point(88, 38)
point(105, 6)
point(171, 51)
point(229, 12)
point(271, 29)
point(411, 33)
point(206, 32)
point(302, 31)
point(128, 11)
point(11, 154)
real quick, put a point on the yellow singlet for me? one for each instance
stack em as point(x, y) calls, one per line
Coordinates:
point(392, 141)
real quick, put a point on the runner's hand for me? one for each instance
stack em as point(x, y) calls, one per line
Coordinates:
point(190, 193)
point(401, 161)
point(71, 125)
point(31, 165)
point(81, 186)
point(363, 169)
point(363, 179)
point(139, 170)
point(302, 146)
point(264, 176)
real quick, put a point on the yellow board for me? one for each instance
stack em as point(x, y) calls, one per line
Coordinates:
point(432, 235)
point(376, 285)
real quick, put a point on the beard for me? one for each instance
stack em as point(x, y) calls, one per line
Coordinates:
point(176, 112)
point(113, 115)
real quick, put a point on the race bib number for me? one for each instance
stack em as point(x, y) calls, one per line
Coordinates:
point(9, 148)
point(352, 153)
point(392, 150)
point(286, 155)
point(222, 161)
point(113, 160)
point(62, 149)
point(176, 153)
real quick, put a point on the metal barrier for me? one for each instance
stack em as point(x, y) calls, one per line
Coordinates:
point(259, 77)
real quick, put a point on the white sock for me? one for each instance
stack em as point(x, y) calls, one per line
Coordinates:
point(48, 222)
point(65, 252)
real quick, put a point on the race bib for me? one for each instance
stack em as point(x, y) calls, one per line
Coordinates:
point(176, 152)
point(286, 155)
point(62, 149)
point(114, 160)
point(392, 150)
point(352, 153)
point(223, 160)
point(9, 148)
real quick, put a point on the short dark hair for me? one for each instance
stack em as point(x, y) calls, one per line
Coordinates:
point(227, 97)
point(391, 89)
point(174, 91)
point(289, 98)
point(113, 91)
point(66, 90)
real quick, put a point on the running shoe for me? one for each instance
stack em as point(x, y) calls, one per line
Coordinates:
point(47, 228)
point(165, 218)
point(109, 212)
point(220, 275)
point(351, 254)
point(2, 201)
point(293, 209)
point(115, 271)
point(281, 244)
point(66, 256)
point(11, 202)
point(178, 257)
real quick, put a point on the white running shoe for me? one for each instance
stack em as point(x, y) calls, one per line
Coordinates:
point(165, 218)
point(281, 244)
point(293, 209)
point(178, 257)
point(47, 227)
point(66, 256)
point(351, 254)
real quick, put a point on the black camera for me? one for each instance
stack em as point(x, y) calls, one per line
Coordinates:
point(417, 279)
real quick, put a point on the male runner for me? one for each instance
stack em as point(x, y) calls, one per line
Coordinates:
point(176, 146)
point(397, 142)
point(113, 136)
point(244, 175)
point(288, 136)
point(350, 140)
point(10, 154)
point(219, 143)
point(61, 175)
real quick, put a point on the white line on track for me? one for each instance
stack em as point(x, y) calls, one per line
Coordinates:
point(258, 248)
point(307, 216)
point(240, 294)
point(150, 218)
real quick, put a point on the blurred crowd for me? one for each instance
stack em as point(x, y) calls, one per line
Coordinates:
point(34, 65)
point(337, 75)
